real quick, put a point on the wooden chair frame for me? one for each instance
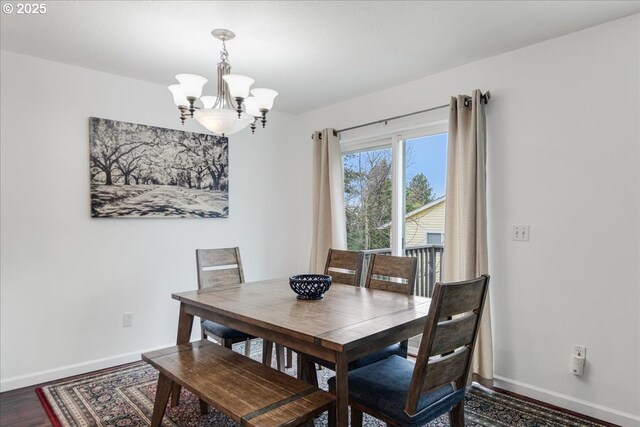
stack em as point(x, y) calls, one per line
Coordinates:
point(451, 332)
point(394, 267)
point(344, 260)
point(229, 264)
point(226, 260)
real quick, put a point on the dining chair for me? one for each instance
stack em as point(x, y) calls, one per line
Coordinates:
point(388, 273)
point(219, 268)
point(344, 267)
point(405, 393)
point(394, 274)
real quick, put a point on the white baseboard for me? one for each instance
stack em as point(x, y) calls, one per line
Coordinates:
point(587, 408)
point(70, 370)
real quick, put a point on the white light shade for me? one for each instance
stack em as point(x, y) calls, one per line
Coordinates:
point(238, 84)
point(222, 121)
point(178, 96)
point(208, 101)
point(251, 107)
point(191, 84)
point(264, 97)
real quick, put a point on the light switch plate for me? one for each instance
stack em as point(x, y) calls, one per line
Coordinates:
point(520, 233)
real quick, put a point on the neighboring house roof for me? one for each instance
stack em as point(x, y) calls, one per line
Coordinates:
point(418, 210)
point(425, 207)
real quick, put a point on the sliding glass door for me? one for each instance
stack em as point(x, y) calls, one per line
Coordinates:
point(424, 207)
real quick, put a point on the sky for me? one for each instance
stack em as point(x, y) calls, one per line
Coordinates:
point(428, 155)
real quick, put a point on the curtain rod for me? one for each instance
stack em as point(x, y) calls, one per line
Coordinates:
point(483, 99)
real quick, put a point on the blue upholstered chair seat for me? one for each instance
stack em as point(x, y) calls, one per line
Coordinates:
point(384, 385)
point(395, 349)
point(222, 331)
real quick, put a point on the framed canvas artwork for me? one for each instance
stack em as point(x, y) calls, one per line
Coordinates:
point(140, 171)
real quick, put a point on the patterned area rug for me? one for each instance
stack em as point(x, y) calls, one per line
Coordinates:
point(124, 396)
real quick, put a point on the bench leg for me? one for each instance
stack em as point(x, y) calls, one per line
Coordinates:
point(247, 348)
point(162, 397)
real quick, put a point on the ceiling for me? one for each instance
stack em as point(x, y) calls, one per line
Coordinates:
point(314, 53)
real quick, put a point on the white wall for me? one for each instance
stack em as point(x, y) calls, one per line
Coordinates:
point(67, 278)
point(564, 158)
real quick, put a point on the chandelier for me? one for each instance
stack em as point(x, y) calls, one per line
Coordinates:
point(223, 114)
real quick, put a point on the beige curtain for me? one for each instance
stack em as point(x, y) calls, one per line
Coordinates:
point(329, 226)
point(465, 249)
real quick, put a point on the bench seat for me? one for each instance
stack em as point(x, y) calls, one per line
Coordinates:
point(248, 392)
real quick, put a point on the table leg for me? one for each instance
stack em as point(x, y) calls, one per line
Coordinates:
point(267, 352)
point(185, 325)
point(342, 390)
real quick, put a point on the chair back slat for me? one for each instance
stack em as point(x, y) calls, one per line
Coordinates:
point(453, 334)
point(386, 285)
point(392, 273)
point(345, 267)
point(219, 267)
point(442, 370)
point(343, 278)
point(461, 300)
point(449, 337)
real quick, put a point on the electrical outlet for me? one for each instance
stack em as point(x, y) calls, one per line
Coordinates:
point(580, 350)
point(577, 365)
point(127, 320)
point(520, 233)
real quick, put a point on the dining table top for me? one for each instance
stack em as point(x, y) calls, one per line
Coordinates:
point(346, 317)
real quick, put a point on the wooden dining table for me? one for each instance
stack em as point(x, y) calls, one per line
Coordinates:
point(347, 324)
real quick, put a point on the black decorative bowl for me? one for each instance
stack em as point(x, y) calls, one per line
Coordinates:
point(310, 286)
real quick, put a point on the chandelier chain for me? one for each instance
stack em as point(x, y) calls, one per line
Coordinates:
point(224, 55)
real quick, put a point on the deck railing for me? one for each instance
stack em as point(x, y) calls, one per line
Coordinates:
point(429, 266)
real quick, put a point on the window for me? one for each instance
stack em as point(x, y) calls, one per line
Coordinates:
point(367, 193)
point(425, 173)
point(395, 197)
point(418, 202)
point(435, 238)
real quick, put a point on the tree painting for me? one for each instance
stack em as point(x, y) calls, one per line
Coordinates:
point(147, 171)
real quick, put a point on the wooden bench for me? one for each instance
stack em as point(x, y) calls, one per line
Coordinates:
point(249, 392)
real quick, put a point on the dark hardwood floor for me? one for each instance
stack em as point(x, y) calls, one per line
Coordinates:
point(22, 408)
